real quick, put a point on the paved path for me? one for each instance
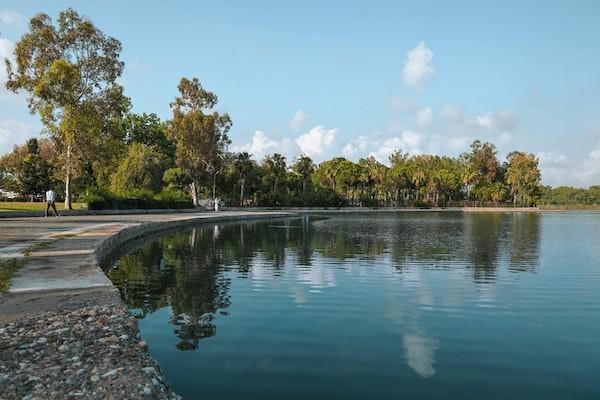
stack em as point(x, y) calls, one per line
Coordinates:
point(60, 255)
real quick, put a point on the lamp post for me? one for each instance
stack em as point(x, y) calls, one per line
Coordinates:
point(215, 184)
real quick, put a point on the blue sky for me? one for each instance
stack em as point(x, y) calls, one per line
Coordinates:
point(358, 78)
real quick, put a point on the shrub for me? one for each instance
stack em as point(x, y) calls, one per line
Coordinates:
point(136, 199)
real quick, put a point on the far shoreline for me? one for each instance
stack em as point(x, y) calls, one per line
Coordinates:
point(116, 212)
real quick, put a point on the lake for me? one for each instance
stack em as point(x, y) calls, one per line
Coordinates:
point(420, 305)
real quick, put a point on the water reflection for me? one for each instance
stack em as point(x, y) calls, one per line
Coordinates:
point(420, 353)
point(192, 271)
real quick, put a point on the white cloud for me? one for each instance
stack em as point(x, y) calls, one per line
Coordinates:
point(457, 131)
point(409, 141)
point(381, 147)
point(315, 142)
point(497, 121)
point(424, 118)
point(452, 114)
point(559, 169)
point(14, 132)
point(418, 66)
point(356, 146)
point(298, 120)
point(551, 159)
point(9, 17)
point(259, 145)
point(420, 353)
point(138, 66)
point(401, 104)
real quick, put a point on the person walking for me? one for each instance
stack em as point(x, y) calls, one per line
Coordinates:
point(216, 204)
point(50, 202)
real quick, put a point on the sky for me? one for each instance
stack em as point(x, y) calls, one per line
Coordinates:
point(359, 78)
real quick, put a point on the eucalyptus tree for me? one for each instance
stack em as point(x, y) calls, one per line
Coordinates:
point(70, 71)
point(243, 165)
point(198, 132)
point(523, 177)
point(483, 161)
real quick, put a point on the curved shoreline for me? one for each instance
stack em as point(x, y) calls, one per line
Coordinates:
point(65, 330)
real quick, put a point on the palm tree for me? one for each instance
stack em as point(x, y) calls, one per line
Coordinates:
point(378, 174)
point(418, 179)
point(276, 165)
point(304, 167)
point(243, 165)
point(468, 178)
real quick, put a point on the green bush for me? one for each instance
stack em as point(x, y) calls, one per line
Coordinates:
point(136, 199)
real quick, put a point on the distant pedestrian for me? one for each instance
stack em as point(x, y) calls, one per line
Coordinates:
point(217, 204)
point(50, 202)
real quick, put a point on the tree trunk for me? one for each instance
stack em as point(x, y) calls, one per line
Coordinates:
point(194, 191)
point(242, 192)
point(68, 205)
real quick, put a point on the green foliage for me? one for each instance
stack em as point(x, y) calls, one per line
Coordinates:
point(141, 169)
point(177, 179)
point(8, 269)
point(566, 196)
point(99, 199)
point(198, 132)
point(36, 178)
point(147, 129)
point(274, 168)
point(28, 169)
point(69, 69)
point(523, 176)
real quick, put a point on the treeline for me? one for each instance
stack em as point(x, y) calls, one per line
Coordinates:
point(98, 151)
point(566, 196)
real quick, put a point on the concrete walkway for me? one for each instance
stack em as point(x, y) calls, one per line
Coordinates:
point(60, 255)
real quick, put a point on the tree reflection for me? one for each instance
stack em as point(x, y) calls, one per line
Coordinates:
point(191, 271)
point(482, 234)
point(524, 242)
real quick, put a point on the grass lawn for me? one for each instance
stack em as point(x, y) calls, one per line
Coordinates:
point(36, 206)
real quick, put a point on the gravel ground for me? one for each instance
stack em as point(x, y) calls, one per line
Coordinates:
point(90, 353)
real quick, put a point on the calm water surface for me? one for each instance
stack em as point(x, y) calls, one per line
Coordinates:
point(374, 306)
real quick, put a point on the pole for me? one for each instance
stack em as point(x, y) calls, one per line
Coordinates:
point(215, 184)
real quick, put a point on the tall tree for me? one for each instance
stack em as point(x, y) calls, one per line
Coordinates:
point(483, 161)
point(70, 72)
point(200, 136)
point(304, 168)
point(243, 165)
point(275, 166)
point(35, 178)
point(523, 177)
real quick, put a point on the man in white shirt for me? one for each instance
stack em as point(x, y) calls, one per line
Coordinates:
point(50, 199)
